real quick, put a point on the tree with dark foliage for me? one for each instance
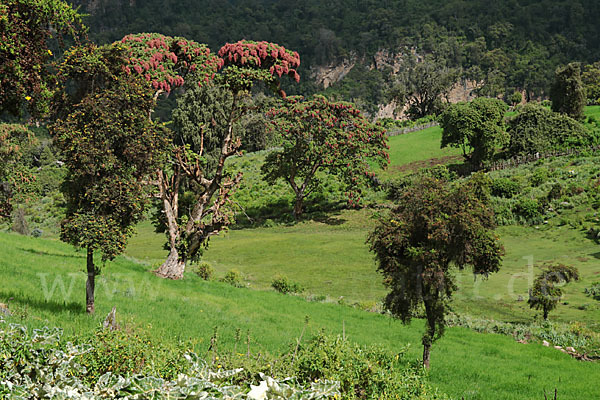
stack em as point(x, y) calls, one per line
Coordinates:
point(435, 227)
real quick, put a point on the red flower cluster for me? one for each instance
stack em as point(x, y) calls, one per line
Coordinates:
point(263, 54)
point(165, 61)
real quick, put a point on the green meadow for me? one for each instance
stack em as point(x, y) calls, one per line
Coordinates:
point(464, 363)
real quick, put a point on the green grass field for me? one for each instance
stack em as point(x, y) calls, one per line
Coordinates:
point(464, 363)
point(333, 260)
point(419, 150)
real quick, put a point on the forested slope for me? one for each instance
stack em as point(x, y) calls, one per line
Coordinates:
point(511, 44)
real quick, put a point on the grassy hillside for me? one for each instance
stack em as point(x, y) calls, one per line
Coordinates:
point(464, 363)
point(420, 149)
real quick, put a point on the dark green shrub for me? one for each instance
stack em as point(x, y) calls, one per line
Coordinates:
point(283, 285)
point(505, 187)
point(539, 176)
point(593, 291)
point(234, 278)
point(556, 191)
point(204, 270)
point(529, 209)
point(538, 130)
point(37, 232)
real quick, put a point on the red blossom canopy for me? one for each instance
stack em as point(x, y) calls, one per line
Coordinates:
point(165, 61)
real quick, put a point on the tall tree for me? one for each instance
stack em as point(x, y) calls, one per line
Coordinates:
point(476, 127)
point(208, 119)
point(422, 84)
point(544, 295)
point(433, 228)
point(322, 135)
point(109, 147)
point(26, 26)
point(568, 93)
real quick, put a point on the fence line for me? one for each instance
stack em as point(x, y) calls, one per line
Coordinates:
point(411, 129)
point(526, 159)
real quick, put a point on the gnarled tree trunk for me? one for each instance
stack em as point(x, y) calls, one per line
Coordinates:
point(173, 267)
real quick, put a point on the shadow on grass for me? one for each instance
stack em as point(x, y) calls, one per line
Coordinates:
point(280, 212)
point(40, 304)
point(46, 253)
point(596, 255)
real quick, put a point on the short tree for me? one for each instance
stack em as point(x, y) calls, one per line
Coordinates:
point(515, 98)
point(26, 26)
point(567, 92)
point(476, 127)
point(433, 228)
point(545, 294)
point(207, 120)
point(109, 147)
point(322, 135)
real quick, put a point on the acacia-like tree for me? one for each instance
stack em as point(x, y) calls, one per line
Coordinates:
point(109, 147)
point(26, 26)
point(477, 128)
point(322, 135)
point(422, 84)
point(544, 295)
point(434, 228)
point(207, 119)
point(568, 93)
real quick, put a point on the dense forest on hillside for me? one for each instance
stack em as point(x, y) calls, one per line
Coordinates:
point(514, 44)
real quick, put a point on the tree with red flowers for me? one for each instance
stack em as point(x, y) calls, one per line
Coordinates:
point(166, 62)
point(322, 135)
point(26, 27)
point(206, 119)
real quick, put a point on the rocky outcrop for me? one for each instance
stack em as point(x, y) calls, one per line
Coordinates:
point(465, 90)
point(327, 75)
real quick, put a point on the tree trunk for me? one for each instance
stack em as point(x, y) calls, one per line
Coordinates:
point(426, 353)
point(91, 282)
point(545, 314)
point(173, 267)
point(298, 207)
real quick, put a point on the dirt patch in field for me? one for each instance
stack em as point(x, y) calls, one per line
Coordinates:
point(417, 165)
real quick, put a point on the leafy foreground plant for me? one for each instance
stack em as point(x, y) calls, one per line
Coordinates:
point(39, 366)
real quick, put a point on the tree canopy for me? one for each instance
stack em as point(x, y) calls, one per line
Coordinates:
point(476, 127)
point(545, 294)
point(568, 92)
point(322, 135)
point(26, 27)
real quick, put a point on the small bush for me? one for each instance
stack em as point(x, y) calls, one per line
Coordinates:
point(234, 278)
point(556, 191)
point(528, 209)
point(540, 176)
point(505, 187)
point(37, 232)
point(283, 285)
point(204, 270)
point(363, 372)
point(593, 291)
